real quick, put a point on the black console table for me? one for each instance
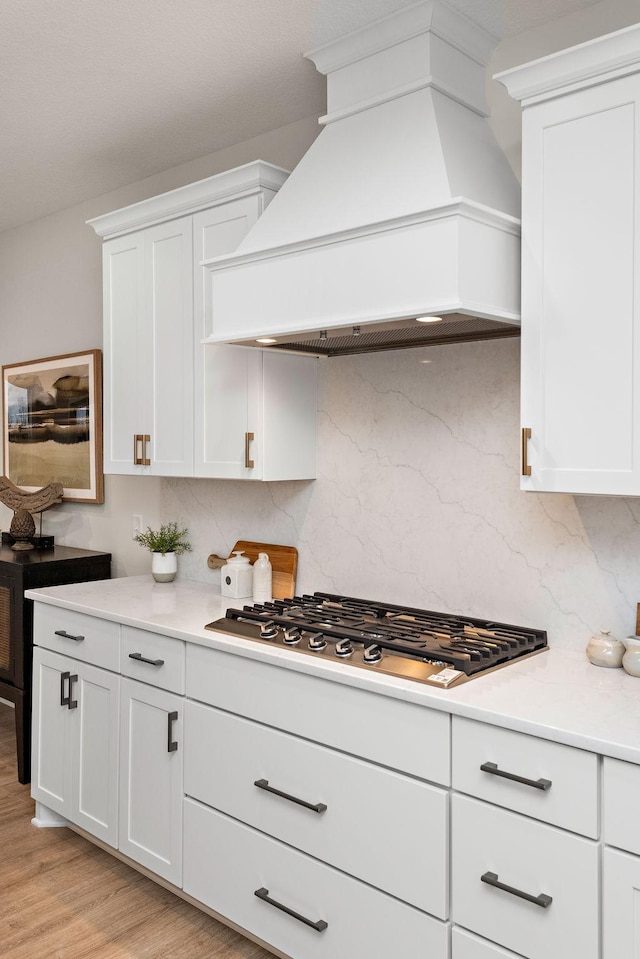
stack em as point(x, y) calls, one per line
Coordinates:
point(29, 570)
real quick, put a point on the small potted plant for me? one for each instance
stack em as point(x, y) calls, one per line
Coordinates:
point(165, 545)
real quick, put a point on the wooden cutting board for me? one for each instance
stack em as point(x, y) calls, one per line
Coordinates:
point(283, 559)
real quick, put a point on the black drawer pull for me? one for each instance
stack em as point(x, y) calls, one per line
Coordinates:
point(66, 635)
point(64, 700)
point(264, 784)
point(263, 894)
point(542, 900)
point(535, 783)
point(141, 659)
point(73, 703)
point(171, 744)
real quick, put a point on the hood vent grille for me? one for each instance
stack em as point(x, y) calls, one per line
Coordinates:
point(456, 329)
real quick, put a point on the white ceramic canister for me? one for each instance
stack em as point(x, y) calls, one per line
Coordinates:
point(605, 650)
point(262, 579)
point(631, 658)
point(236, 578)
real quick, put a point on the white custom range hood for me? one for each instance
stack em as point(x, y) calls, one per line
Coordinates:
point(404, 206)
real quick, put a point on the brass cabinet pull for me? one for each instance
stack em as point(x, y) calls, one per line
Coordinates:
point(248, 438)
point(141, 440)
point(526, 436)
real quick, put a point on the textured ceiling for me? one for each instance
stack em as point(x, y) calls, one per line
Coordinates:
point(97, 94)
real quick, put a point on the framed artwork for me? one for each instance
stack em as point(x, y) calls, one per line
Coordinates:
point(52, 424)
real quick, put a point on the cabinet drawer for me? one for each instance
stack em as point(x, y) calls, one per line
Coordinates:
point(225, 862)
point(531, 857)
point(464, 945)
point(621, 803)
point(388, 731)
point(225, 756)
point(154, 659)
point(571, 799)
point(89, 638)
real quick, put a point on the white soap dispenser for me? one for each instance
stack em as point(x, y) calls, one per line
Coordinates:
point(262, 579)
point(236, 578)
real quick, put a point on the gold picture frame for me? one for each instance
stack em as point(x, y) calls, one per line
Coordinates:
point(52, 424)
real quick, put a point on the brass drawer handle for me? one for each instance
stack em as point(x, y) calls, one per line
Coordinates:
point(249, 463)
point(526, 436)
point(145, 459)
point(140, 457)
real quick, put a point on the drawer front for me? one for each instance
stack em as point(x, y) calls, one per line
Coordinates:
point(621, 803)
point(154, 659)
point(225, 756)
point(88, 638)
point(570, 775)
point(464, 945)
point(535, 859)
point(225, 862)
point(397, 734)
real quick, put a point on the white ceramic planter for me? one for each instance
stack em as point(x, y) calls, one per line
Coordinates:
point(164, 567)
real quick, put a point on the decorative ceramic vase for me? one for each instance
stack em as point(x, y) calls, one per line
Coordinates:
point(631, 658)
point(164, 567)
point(605, 650)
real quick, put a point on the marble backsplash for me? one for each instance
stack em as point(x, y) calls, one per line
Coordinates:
point(417, 501)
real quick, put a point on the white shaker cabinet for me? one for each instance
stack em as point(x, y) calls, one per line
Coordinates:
point(580, 269)
point(173, 406)
point(151, 751)
point(148, 346)
point(75, 758)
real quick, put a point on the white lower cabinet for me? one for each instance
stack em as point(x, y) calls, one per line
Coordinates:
point(528, 886)
point(75, 739)
point(151, 751)
point(297, 904)
point(621, 905)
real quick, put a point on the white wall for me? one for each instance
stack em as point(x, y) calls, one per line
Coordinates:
point(417, 497)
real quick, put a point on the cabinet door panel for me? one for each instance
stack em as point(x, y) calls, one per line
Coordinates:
point(232, 405)
point(127, 346)
point(581, 290)
point(51, 781)
point(169, 306)
point(96, 721)
point(621, 905)
point(150, 829)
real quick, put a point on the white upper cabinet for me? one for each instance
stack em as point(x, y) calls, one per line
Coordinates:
point(173, 407)
point(580, 276)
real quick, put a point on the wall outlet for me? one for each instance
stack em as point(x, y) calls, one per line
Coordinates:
point(136, 526)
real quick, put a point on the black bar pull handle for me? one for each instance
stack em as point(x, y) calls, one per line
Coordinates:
point(172, 745)
point(263, 894)
point(73, 703)
point(66, 635)
point(142, 659)
point(542, 900)
point(264, 784)
point(64, 700)
point(492, 768)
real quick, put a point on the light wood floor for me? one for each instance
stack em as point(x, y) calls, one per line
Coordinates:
point(63, 898)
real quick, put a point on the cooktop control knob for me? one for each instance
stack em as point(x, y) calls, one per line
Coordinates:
point(268, 630)
point(316, 642)
point(372, 654)
point(343, 648)
point(292, 635)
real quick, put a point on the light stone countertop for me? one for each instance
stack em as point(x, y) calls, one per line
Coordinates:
point(557, 695)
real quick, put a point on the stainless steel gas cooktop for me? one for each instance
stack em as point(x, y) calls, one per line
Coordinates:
point(435, 648)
